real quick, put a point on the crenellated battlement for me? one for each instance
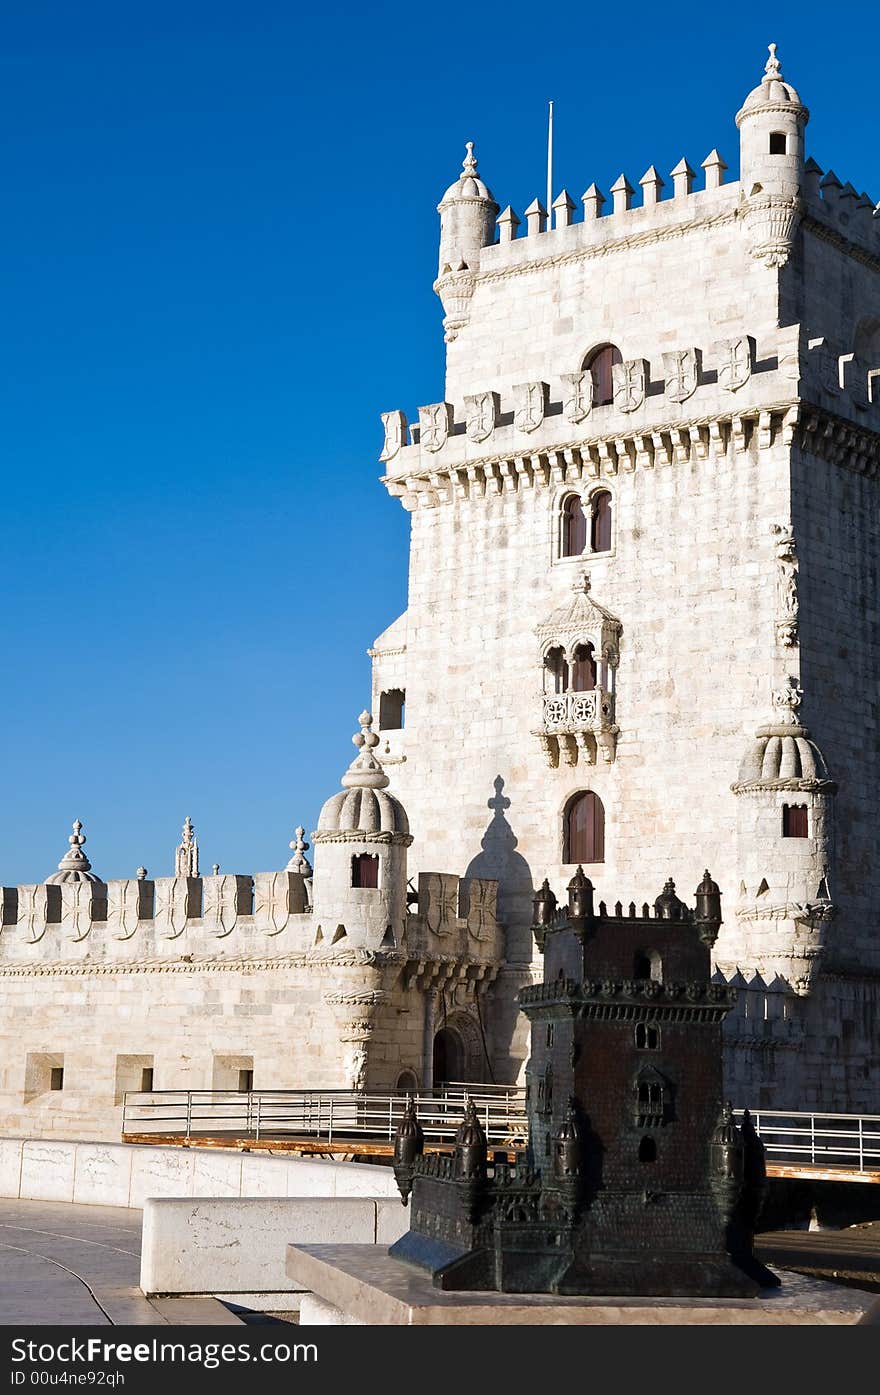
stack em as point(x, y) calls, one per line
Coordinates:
point(596, 223)
point(159, 915)
point(688, 406)
point(451, 918)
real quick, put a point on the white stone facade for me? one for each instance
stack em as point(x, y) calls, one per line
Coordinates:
point(740, 451)
point(732, 722)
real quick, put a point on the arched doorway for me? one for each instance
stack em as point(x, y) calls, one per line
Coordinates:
point(450, 1061)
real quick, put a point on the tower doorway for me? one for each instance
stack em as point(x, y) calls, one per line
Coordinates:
point(450, 1061)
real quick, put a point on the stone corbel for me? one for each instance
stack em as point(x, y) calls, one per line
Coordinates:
point(550, 747)
point(567, 748)
point(644, 452)
point(681, 445)
point(623, 455)
point(662, 449)
point(607, 458)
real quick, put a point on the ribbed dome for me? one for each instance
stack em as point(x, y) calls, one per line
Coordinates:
point(74, 865)
point(363, 811)
point(772, 90)
point(782, 753)
point(469, 185)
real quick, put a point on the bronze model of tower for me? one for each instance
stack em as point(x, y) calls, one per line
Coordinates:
point(632, 1180)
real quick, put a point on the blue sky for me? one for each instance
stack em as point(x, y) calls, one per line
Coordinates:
point(217, 245)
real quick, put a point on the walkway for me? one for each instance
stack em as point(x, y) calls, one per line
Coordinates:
point(79, 1266)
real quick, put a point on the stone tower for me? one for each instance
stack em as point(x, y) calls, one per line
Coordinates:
point(632, 1179)
point(643, 580)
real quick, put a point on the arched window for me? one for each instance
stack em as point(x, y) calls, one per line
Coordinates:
point(600, 521)
point(600, 363)
point(365, 871)
point(584, 829)
point(557, 671)
point(583, 669)
point(407, 1082)
point(647, 1150)
point(647, 1037)
point(574, 527)
point(777, 142)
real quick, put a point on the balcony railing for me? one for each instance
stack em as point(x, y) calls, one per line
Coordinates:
point(578, 711)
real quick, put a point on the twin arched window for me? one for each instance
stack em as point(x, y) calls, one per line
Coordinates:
point(578, 527)
point(577, 676)
point(584, 829)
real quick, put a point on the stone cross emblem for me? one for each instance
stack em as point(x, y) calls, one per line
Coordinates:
point(577, 396)
point(395, 434)
point(682, 372)
point(434, 425)
point(735, 357)
point(531, 405)
point(481, 415)
point(630, 381)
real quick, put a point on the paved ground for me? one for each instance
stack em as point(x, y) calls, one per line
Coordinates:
point(79, 1265)
point(852, 1254)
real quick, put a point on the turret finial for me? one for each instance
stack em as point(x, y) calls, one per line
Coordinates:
point(771, 67)
point(299, 862)
point(365, 772)
point(186, 857)
point(469, 163)
point(74, 865)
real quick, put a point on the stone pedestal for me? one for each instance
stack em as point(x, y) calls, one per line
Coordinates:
point(360, 1285)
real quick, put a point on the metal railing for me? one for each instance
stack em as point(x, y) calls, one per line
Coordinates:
point(820, 1140)
point(331, 1116)
point(850, 1141)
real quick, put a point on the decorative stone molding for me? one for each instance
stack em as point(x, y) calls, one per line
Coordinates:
point(786, 625)
point(771, 221)
point(455, 289)
point(582, 620)
point(787, 700)
point(186, 856)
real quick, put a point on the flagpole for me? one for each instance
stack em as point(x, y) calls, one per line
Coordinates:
point(550, 167)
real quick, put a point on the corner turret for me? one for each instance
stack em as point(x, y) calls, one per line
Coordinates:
point(771, 124)
point(359, 885)
point(467, 224)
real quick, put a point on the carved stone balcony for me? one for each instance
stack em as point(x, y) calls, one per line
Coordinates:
point(577, 726)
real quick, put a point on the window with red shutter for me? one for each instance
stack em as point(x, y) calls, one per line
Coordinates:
point(600, 363)
point(574, 527)
point(794, 821)
point(600, 522)
point(584, 830)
